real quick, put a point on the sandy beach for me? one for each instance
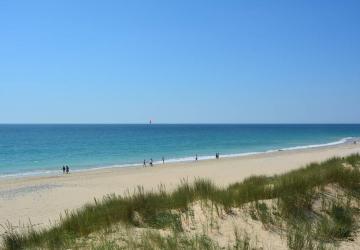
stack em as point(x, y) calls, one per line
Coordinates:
point(42, 199)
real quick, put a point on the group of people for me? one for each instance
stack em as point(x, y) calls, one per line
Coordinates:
point(151, 162)
point(217, 155)
point(65, 169)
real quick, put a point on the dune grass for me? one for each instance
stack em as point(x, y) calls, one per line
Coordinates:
point(295, 192)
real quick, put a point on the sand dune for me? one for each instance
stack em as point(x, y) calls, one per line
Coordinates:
point(43, 199)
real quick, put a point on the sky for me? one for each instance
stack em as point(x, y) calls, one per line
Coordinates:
point(179, 61)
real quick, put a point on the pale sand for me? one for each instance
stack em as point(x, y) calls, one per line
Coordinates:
point(42, 199)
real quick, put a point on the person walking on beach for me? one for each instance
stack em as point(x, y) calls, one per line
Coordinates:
point(63, 169)
point(163, 159)
point(144, 163)
point(67, 169)
point(196, 158)
point(151, 162)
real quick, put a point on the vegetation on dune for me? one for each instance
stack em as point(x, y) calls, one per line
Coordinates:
point(295, 193)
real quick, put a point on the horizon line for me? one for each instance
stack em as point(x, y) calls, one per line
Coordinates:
point(186, 123)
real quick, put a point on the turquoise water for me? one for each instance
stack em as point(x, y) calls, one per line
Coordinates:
point(39, 149)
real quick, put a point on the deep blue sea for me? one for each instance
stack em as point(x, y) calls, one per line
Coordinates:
point(43, 149)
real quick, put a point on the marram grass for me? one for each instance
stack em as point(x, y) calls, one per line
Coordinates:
point(294, 191)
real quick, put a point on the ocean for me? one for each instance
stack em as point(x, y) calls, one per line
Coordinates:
point(44, 149)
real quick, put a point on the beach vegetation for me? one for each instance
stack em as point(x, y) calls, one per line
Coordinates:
point(293, 196)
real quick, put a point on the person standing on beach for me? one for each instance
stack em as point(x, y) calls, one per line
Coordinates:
point(151, 162)
point(63, 169)
point(196, 158)
point(67, 169)
point(144, 163)
point(163, 159)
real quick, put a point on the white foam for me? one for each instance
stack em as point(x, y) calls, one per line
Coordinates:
point(29, 174)
point(342, 141)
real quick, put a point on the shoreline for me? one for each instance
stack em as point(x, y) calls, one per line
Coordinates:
point(186, 159)
point(42, 199)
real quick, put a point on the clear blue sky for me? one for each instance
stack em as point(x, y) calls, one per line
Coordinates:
point(179, 61)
